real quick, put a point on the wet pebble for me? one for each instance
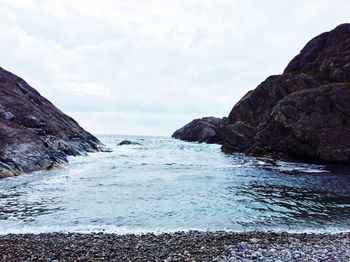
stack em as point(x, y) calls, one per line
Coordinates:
point(178, 246)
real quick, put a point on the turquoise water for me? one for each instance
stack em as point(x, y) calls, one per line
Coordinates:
point(169, 185)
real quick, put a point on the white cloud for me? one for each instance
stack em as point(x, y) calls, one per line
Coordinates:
point(162, 62)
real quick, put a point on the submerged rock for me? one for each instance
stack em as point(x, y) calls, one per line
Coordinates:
point(206, 129)
point(127, 142)
point(34, 134)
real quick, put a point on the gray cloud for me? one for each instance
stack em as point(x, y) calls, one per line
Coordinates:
point(148, 67)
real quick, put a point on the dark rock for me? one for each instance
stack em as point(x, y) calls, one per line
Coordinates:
point(34, 134)
point(127, 142)
point(256, 106)
point(206, 129)
point(327, 56)
point(302, 114)
point(314, 124)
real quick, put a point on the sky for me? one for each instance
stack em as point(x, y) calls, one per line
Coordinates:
point(148, 67)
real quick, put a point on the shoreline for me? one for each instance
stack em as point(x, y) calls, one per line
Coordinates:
point(156, 232)
point(176, 246)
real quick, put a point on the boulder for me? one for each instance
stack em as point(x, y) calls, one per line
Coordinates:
point(127, 142)
point(207, 130)
point(34, 134)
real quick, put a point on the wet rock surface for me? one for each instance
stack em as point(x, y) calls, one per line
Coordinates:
point(206, 129)
point(34, 134)
point(127, 142)
point(179, 246)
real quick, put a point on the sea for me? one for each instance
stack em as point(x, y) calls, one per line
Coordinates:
point(167, 185)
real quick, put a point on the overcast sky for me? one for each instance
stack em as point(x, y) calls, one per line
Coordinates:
point(148, 67)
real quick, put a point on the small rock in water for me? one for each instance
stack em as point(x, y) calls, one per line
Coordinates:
point(127, 142)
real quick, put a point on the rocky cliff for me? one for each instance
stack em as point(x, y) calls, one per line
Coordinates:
point(34, 134)
point(302, 114)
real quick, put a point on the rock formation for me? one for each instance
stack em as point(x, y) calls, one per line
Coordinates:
point(34, 134)
point(302, 114)
point(206, 129)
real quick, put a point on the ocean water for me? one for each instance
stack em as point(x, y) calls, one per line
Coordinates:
point(165, 185)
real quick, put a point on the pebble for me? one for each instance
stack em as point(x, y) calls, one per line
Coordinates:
point(254, 240)
point(243, 246)
point(178, 246)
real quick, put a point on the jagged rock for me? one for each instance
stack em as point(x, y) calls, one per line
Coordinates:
point(34, 134)
point(303, 113)
point(327, 56)
point(256, 106)
point(127, 142)
point(314, 124)
point(206, 129)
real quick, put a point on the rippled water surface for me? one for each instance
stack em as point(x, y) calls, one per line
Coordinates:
point(166, 185)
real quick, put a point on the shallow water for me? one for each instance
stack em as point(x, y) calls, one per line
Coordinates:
point(169, 185)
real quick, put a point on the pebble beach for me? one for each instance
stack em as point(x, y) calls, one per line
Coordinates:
point(179, 246)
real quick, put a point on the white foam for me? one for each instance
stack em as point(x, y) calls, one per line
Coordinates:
point(86, 229)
